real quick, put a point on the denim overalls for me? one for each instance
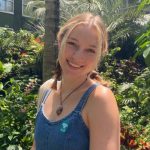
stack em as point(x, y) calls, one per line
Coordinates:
point(69, 133)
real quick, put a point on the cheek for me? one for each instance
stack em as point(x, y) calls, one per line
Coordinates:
point(91, 63)
point(62, 53)
point(94, 62)
point(70, 50)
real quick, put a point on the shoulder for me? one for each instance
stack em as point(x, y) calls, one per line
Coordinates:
point(103, 96)
point(47, 84)
point(43, 88)
point(103, 119)
point(102, 105)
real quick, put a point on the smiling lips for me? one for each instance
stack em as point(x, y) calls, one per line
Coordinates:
point(75, 66)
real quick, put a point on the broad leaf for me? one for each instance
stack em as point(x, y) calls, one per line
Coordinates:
point(146, 56)
point(1, 86)
point(7, 67)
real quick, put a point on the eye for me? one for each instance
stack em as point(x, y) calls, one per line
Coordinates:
point(91, 51)
point(71, 43)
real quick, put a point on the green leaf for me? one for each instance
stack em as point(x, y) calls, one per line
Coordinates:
point(1, 67)
point(146, 56)
point(10, 137)
point(7, 67)
point(1, 136)
point(1, 86)
point(15, 133)
point(19, 148)
point(14, 147)
point(11, 147)
point(145, 44)
point(12, 80)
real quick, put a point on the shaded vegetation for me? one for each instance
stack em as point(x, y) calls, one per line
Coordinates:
point(126, 66)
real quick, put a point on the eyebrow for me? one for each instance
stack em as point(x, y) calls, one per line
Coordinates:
point(93, 46)
point(74, 39)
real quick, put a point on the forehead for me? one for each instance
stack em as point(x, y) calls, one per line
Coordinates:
point(86, 33)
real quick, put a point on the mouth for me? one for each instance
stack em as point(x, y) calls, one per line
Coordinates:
point(75, 66)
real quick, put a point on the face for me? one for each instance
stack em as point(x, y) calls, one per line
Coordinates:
point(80, 53)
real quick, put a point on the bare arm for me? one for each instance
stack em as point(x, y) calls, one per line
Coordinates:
point(33, 146)
point(104, 122)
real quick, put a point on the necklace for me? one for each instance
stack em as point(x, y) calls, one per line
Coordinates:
point(60, 107)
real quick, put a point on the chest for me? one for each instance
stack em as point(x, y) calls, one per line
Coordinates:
point(52, 103)
point(69, 133)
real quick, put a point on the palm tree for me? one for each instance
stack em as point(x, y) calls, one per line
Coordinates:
point(51, 28)
point(120, 21)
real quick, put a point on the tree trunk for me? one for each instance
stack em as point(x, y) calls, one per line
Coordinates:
point(51, 28)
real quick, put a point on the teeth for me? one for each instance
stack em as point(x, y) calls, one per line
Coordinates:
point(74, 65)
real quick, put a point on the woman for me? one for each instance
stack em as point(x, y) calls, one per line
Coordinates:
point(76, 109)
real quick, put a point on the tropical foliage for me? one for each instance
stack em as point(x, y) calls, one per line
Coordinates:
point(19, 81)
point(120, 20)
point(20, 73)
point(37, 9)
point(131, 85)
point(143, 46)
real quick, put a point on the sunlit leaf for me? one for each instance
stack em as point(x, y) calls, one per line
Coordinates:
point(1, 67)
point(7, 67)
point(146, 56)
point(1, 86)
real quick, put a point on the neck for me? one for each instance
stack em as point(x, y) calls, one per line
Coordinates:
point(70, 83)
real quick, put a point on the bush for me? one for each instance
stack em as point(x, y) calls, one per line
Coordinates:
point(17, 113)
point(134, 103)
point(131, 85)
point(20, 76)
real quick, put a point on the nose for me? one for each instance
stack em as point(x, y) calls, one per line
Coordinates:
point(78, 55)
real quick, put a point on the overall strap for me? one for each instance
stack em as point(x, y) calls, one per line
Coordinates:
point(45, 95)
point(43, 99)
point(85, 97)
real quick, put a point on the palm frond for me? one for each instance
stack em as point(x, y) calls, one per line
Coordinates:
point(36, 8)
point(40, 12)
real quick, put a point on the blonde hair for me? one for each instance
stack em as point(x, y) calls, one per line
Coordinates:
point(64, 32)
